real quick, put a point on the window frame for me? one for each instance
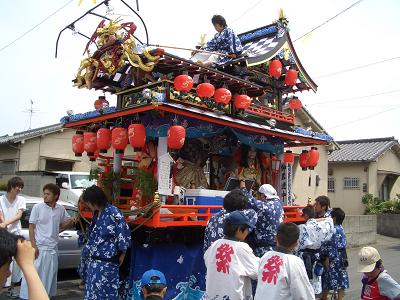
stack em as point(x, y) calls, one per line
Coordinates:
point(331, 182)
point(351, 183)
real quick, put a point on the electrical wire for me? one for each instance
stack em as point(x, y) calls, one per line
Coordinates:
point(34, 27)
point(354, 98)
point(364, 118)
point(330, 19)
point(246, 11)
point(358, 67)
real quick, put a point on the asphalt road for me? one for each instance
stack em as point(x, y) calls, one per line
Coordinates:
point(389, 249)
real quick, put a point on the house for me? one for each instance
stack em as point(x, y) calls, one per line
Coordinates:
point(32, 153)
point(360, 167)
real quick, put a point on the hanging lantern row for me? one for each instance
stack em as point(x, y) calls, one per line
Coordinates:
point(309, 159)
point(275, 70)
point(184, 83)
point(94, 143)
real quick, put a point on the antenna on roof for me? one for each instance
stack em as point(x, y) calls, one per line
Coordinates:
point(30, 111)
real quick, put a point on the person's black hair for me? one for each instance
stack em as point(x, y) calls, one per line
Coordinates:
point(230, 229)
point(218, 19)
point(54, 188)
point(339, 214)
point(378, 264)
point(95, 196)
point(235, 200)
point(14, 182)
point(309, 211)
point(8, 245)
point(154, 287)
point(287, 234)
point(323, 201)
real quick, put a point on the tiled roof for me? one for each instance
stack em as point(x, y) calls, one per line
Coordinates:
point(32, 133)
point(362, 150)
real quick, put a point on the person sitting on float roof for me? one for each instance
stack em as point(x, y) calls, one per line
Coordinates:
point(225, 41)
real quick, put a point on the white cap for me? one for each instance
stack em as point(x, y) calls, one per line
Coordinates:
point(367, 258)
point(268, 190)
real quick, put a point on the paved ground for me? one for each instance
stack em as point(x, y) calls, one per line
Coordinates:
point(389, 249)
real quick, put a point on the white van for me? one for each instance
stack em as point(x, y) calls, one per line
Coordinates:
point(72, 184)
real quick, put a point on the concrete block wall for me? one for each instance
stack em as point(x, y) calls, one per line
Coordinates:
point(389, 225)
point(360, 230)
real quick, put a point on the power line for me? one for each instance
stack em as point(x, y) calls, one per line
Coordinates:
point(355, 98)
point(246, 11)
point(34, 27)
point(358, 67)
point(330, 19)
point(366, 117)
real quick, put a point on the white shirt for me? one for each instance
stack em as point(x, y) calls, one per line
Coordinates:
point(230, 265)
point(10, 209)
point(47, 221)
point(282, 277)
point(313, 233)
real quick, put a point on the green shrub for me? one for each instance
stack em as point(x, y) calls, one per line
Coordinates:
point(374, 205)
point(3, 186)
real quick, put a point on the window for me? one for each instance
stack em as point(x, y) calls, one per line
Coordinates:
point(7, 166)
point(331, 185)
point(351, 183)
point(58, 165)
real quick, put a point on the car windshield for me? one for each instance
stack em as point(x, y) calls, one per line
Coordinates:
point(81, 181)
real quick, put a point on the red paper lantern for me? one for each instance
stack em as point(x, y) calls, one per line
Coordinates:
point(275, 68)
point(242, 101)
point(205, 90)
point(183, 83)
point(303, 160)
point(288, 157)
point(119, 139)
point(137, 135)
point(222, 95)
point(90, 142)
point(291, 77)
point(77, 143)
point(103, 140)
point(101, 103)
point(313, 158)
point(176, 137)
point(295, 104)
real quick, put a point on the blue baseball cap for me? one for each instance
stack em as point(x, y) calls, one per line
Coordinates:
point(239, 218)
point(153, 277)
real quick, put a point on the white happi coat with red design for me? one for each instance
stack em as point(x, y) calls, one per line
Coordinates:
point(230, 265)
point(282, 276)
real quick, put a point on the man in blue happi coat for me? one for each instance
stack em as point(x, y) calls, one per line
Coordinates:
point(225, 41)
point(270, 214)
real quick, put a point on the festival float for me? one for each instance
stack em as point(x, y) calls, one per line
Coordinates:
point(182, 135)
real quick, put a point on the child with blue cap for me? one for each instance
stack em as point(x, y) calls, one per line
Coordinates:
point(154, 285)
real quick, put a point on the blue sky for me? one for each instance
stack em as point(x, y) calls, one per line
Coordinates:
point(367, 33)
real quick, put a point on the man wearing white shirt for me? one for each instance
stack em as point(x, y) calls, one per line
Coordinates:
point(11, 208)
point(230, 262)
point(46, 221)
point(282, 275)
